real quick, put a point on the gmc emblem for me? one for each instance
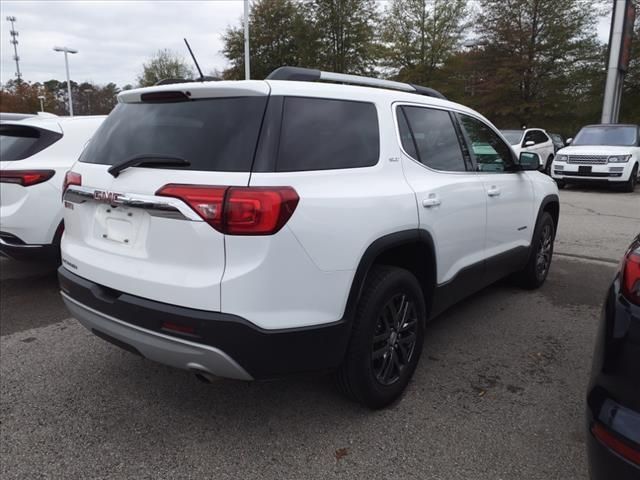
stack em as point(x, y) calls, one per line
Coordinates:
point(107, 197)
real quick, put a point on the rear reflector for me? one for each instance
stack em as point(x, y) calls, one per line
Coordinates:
point(26, 178)
point(238, 210)
point(174, 327)
point(620, 447)
point(71, 178)
point(631, 276)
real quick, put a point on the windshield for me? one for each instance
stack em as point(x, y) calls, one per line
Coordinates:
point(614, 135)
point(513, 136)
point(218, 134)
point(18, 142)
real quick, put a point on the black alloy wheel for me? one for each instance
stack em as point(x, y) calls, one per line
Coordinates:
point(394, 339)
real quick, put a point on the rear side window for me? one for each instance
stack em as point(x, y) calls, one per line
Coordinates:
point(433, 137)
point(324, 134)
point(218, 134)
point(18, 142)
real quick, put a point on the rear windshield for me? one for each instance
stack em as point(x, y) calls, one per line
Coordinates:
point(18, 142)
point(513, 136)
point(218, 134)
point(607, 135)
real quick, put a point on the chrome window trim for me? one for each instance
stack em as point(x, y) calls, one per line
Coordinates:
point(395, 106)
point(165, 207)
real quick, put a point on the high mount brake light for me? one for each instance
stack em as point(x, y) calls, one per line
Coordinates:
point(71, 178)
point(164, 97)
point(631, 276)
point(26, 178)
point(238, 210)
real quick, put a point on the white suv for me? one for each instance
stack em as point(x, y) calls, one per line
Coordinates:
point(601, 153)
point(533, 140)
point(35, 154)
point(251, 229)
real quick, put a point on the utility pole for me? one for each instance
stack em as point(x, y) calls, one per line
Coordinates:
point(14, 40)
point(66, 51)
point(41, 98)
point(620, 36)
point(247, 69)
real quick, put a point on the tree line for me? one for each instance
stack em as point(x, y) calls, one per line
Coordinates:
point(88, 98)
point(519, 62)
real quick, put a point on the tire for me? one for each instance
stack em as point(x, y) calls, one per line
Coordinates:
point(561, 184)
point(630, 184)
point(383, 352)
point(547, 166)
point(535, 272)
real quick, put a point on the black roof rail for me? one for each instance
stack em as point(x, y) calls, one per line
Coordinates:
point(312, 75)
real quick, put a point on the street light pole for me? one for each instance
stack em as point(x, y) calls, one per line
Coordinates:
point(88, 91)
point(41, 98)
point(66, 51)
point(247, 69)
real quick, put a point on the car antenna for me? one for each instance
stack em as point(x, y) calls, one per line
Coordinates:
point(194, 60)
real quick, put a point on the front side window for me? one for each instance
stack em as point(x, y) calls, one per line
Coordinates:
point(540, 137)
point(431, 138)
point(529, 137)
point(489, 150)
point(324, 134)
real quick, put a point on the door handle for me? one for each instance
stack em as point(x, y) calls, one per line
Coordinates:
point(493, 191)
point(431, 201)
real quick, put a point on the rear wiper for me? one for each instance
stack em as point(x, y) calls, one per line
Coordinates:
point(148, 160)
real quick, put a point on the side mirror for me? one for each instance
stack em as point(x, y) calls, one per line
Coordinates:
point(529, 143)
point(529, 161)
point(568, 141)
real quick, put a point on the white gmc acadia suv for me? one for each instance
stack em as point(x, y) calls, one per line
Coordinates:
point(35, 153)
point(251, 229)
point(607, 153)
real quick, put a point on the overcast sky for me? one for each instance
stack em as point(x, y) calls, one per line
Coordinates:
point(115, 37)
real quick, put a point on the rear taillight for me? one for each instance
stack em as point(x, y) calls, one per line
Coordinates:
point(622, 448)
point(206, 201)
point(238, 210)
point(26, 178)
point(631, 276)
point(71, 178)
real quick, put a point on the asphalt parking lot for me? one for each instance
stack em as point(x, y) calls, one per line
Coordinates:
point(498, 393)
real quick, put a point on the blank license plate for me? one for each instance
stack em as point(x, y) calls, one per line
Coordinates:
point(584, 169)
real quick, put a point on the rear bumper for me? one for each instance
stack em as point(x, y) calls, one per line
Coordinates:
point(32, 213)
point(604, 463)
point(218, 343)
point(23, 251)
point(161, 348)
point(613, 398)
